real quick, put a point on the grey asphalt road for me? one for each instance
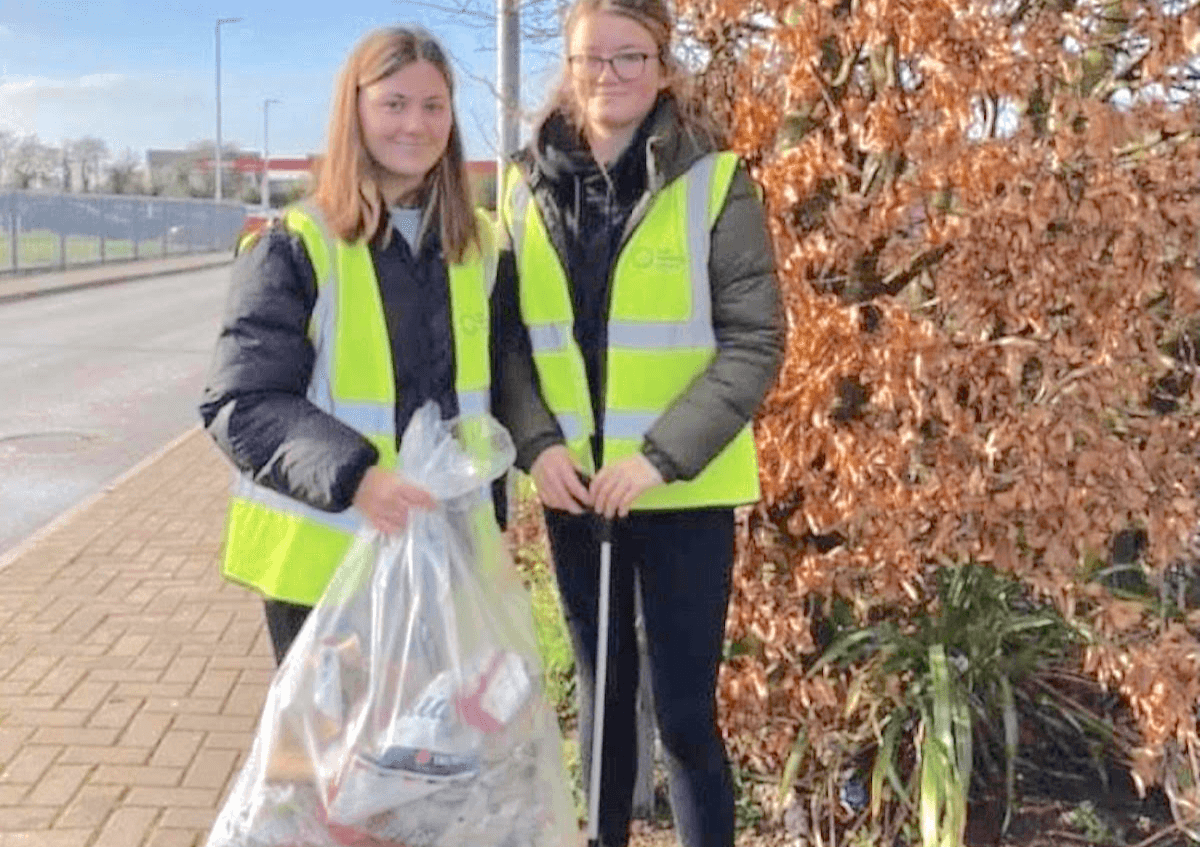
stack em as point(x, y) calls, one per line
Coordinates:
point(93, 381)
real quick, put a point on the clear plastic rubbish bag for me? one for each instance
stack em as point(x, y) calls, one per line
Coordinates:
point(409, 710)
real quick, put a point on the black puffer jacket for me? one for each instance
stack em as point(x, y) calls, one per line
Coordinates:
point(589, 215)
point(255, 405)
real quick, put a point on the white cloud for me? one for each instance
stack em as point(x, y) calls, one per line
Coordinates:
point(17, 90)
point(5, 31)
point(25, 100)
point(124, 110)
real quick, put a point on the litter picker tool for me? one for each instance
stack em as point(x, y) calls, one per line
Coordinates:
point(601, 681)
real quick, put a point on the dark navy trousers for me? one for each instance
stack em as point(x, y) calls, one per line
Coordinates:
point(683, 561)
point(284, 621)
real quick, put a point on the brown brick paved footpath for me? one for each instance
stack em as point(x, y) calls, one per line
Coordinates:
point(131, 674)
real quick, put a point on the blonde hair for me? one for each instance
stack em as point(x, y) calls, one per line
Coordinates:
point(347, 189)
point(656, 18)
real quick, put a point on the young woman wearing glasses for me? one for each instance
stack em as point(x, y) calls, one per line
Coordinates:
point(637, 330)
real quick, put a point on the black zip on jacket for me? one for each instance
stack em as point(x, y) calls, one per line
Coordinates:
point(254, 403)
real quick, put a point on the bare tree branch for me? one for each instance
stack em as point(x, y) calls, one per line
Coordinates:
point(541, 20)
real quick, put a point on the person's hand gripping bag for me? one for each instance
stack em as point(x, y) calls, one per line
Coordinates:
point(409, 711)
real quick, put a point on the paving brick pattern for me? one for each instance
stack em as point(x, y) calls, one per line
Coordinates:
point(131, 675)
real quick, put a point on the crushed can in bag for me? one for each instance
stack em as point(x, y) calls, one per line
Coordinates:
point(409, 711)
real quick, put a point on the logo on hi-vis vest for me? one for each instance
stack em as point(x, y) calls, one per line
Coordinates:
point(473, 323)
point(662, 260)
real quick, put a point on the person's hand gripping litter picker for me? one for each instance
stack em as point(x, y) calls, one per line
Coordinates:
point(613, 491)
point(600, 685)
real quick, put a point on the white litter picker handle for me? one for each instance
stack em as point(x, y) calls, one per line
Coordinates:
point(601, 682)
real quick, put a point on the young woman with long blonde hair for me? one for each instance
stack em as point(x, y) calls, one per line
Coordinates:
point(355, 308)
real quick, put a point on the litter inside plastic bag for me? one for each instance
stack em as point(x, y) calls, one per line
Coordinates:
point(409, 710)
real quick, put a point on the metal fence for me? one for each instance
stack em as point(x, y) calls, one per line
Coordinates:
point(42, 230)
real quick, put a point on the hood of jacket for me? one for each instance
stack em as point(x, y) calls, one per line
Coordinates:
point(669, 145)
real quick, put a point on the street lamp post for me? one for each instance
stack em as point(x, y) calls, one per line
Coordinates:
point(266, 177)
point(217, 180)
point(508, 75)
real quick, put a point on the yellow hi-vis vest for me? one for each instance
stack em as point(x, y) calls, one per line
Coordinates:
point(286, 549)
point(660, 331)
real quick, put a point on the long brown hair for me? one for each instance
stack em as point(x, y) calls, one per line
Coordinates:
point(347, 188)
point(656, 18)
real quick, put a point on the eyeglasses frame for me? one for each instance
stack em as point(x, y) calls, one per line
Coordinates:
point(587, 59)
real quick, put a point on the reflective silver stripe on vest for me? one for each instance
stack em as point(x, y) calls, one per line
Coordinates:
point(366, 417)
point(489, 256)
point(318, 220)
point(651, 336)
point(632, 425)
point(472, 403)
point(571, 425)
point(697, 330)
point(548, 338)
point(320, 384)
point(519, 199)
point(348, 521)
point(321, 323)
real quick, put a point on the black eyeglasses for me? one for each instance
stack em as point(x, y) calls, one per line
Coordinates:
point(625, 66)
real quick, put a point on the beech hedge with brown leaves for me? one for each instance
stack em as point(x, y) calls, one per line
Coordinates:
point(985, 217)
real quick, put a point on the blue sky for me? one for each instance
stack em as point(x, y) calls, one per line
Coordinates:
point(140, 74)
